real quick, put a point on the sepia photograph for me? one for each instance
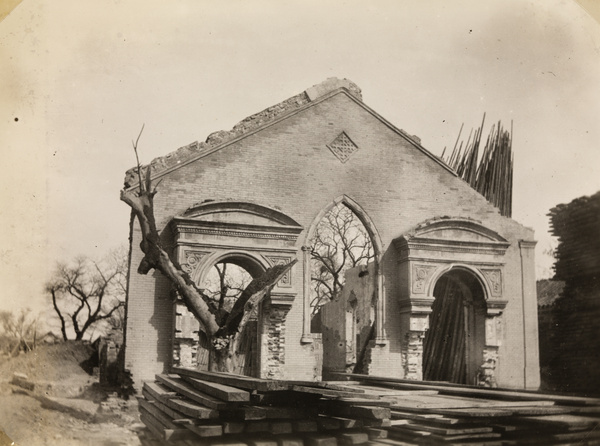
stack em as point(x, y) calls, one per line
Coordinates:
point(299, 223)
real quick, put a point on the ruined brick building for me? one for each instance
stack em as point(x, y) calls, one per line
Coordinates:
point(253, 197)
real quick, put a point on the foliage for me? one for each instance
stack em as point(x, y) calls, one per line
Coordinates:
point(340, 242)
point(18, 331)
point(85, 293)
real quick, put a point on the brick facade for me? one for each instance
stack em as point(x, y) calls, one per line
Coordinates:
point(288, 162)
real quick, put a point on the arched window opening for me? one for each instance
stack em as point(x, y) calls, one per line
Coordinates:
point(223, 283)
point(340, 243)
point(453, 346)
point(343, 288)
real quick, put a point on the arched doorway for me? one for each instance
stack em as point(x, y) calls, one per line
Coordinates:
point(223, 280)
point(454, 344)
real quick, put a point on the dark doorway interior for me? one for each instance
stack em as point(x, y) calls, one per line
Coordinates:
point(453, 346)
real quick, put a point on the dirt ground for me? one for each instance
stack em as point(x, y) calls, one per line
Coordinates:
point(64, 408)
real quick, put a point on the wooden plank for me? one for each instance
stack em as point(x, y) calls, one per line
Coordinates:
point(159, 392)
point(463, 389)
point(386, 422)
point(579, 437)
point(398, 422)
point(429, 418)
point(174, 401)
point(170, 432)
point(191, 409)
point(240, 381)
point(244, 413)
point(180, 386)
point(331, 393)
point(568, 421)
point(206, 430)
point(403, 432)
point(589, 410)
point(280, 427)
point(538, 410)
point(164, 419)
point(290, 412)
point(448, 430)
point(480, 412)
point(347, 423)
point(335, 408)
point(386, 442)
point(365, 402)
point(456, 402)
point(256, 426)
point(331, 385)
point(175, 415)
point(328, 423)
point(153, 425)
point(385, 391)
point(396, 432)
point(221, 391)
point(233, 427)
point(466, 437)
point(284, 397)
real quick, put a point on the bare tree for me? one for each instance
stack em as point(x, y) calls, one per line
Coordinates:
point(19, 331)
point(222, 327)
point(340, 242)
point(224, 284)
point(86, 292)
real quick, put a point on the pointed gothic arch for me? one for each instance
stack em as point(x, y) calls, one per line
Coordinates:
point(377, 244)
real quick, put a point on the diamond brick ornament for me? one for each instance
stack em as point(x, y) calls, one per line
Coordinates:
point(342, 147)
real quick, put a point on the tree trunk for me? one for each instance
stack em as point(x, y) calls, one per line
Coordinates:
point(223, 360)
point(222, 331)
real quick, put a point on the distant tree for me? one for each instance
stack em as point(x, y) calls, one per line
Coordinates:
point(340, 242)
point(85, 292)
point(19, 331)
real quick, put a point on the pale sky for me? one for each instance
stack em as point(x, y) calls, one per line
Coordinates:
point(80, 77)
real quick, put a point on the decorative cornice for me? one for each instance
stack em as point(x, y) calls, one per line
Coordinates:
point(436, 261)
point(458, 246)
point(182, 225)
point(527, 244)
point(495, 307)
point(417, 306)
point(231, 233)
point(284, 300)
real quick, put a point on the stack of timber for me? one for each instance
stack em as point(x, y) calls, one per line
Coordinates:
point(191, 407)
point(577, 227)
point(490, 174)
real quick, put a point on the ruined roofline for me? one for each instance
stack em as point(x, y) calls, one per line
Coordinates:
point(216, 140)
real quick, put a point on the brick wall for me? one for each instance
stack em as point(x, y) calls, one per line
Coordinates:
point(287, 165)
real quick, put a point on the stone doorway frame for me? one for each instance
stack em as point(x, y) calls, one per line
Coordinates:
point(432, 249)
point(256, 237)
